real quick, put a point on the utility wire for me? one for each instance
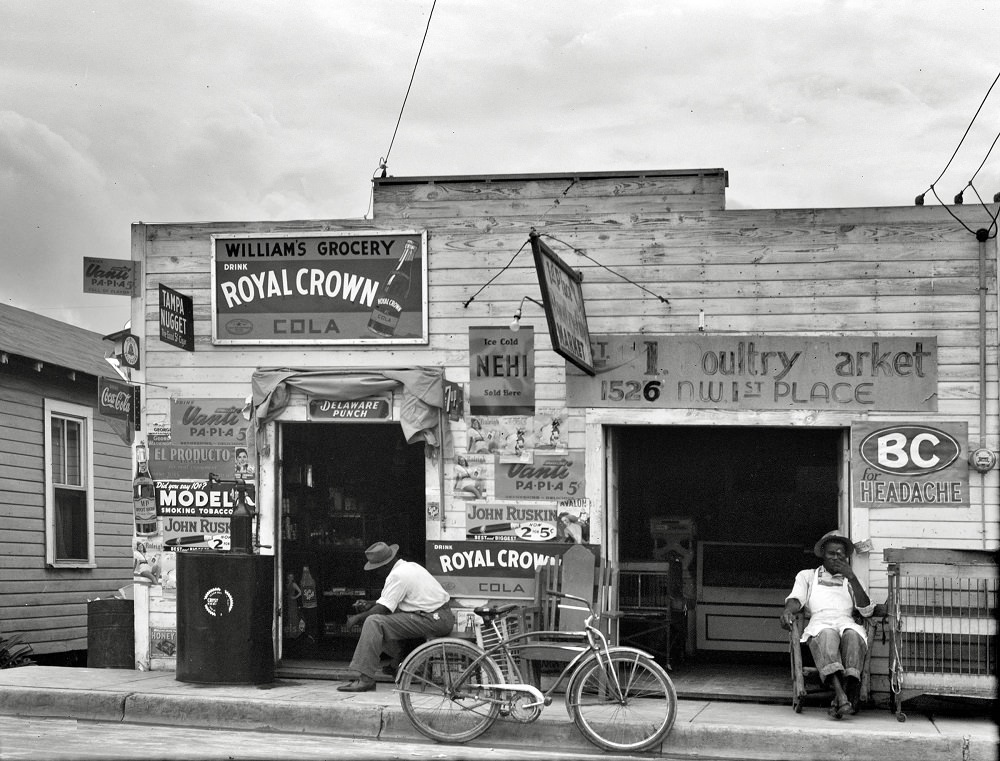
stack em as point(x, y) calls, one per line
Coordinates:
point(506, 266)
point(990, 232)
point(383, 162)
point(974, 116)
point(957, 147)
point(603, 266)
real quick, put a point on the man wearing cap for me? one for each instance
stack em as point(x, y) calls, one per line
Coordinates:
point(412, 605)
point(830, 595)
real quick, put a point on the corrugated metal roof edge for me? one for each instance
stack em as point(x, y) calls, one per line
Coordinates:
point(36, 337)
point(391, 180)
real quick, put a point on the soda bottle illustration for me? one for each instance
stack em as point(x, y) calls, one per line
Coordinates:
point(389, 299)
point(143, 494)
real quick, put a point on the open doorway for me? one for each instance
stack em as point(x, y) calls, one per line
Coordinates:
point(725, 516)
point(344, 486)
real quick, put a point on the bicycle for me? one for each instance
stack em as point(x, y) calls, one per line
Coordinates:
point(620, 699)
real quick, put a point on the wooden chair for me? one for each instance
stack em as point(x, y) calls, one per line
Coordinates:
point(576, 573)
point(806, 683)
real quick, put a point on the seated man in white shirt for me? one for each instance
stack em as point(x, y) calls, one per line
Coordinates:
point(412, 605)
point(830, 595)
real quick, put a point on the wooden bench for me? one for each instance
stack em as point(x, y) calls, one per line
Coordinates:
point(579, 573)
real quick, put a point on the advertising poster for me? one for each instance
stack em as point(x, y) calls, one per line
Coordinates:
point(331, 288)
point(176, 318)
point(195, 514)
point(504, 521)
point(546, 476)
point(504, 570)
point(205, 436)
point(910, 464)
point(756, 372)
point(501, 371)
point(473, 475)
point(507, 436)
point(112, 277)
point(547, 430)
point(162, 642)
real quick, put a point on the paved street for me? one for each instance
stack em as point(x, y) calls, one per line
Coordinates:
point(66, 739)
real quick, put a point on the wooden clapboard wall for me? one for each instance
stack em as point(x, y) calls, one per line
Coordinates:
point(850, 271)
point(864, 271)
point(46, 359)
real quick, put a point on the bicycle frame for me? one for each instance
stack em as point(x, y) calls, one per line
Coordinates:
point(595, 639)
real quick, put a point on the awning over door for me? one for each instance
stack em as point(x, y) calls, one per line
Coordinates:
point(422, 394)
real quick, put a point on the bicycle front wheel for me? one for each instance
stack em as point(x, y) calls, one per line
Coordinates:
point(627, 703)
point(438, 701)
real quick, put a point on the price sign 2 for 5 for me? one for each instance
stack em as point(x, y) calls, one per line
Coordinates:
point(630, 390)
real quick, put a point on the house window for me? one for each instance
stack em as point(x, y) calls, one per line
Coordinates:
point(69, 485)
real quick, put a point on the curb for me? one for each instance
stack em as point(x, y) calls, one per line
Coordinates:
point(384, 720)
point(92, 705)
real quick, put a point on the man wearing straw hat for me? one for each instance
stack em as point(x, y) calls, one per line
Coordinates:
point(412, 605)
point(830, 595)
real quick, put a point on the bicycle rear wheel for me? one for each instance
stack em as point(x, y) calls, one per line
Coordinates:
point(439, 704)
point(625, 704)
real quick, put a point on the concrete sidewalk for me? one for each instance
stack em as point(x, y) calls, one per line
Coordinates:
point(703, 728)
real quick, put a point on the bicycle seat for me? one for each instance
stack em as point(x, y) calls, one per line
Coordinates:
point(489, 612)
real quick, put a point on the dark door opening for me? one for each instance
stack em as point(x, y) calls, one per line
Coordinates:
point(344, 487)
point(728, 515)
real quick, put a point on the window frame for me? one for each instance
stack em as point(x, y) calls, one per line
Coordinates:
point(56, 409)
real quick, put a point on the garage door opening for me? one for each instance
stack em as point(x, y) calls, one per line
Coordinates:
point(714, 522)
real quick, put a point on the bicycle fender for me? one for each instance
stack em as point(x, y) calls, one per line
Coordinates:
point(618, 649)
point(437, 641)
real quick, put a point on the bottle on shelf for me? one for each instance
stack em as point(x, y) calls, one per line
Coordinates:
point(389, 299)
point(308, 586)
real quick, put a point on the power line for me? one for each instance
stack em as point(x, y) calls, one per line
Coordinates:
point(920, 198)
point(604, 266)
point(990, 232)
point(383, 162)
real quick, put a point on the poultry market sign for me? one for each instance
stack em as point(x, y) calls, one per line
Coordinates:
point(759, 372)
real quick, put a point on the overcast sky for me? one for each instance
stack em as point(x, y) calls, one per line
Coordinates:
point(118, 111)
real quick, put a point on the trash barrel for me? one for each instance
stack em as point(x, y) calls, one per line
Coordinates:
point(110, 634)
point(225, 603)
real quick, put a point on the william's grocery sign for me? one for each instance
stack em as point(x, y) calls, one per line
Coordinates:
point(314, 288)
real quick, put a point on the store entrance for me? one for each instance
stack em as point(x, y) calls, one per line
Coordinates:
point(344, 486)
point(719, 520)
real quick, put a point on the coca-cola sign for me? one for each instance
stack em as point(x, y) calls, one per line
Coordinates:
point(115, 399)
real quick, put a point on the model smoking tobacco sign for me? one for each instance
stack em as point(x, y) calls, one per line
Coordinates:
point(320, 288)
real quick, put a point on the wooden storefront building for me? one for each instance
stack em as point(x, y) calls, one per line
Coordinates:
point(755, 378)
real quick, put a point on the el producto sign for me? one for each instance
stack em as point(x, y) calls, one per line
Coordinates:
point(364, 287)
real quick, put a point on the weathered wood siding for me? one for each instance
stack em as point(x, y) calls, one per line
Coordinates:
point(50, 605)
point(849, 271)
